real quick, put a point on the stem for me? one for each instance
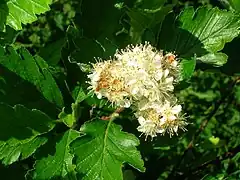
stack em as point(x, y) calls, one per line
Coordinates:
point(113, 115)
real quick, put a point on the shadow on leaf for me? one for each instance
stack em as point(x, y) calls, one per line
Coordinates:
point(174, 39)
point(15, 90)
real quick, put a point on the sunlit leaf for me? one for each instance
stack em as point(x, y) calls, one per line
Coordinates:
point(103, 150)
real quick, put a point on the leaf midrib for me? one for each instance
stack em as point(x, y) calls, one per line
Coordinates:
point(104, 146)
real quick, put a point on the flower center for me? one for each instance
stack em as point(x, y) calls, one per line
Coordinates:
point(153, 115)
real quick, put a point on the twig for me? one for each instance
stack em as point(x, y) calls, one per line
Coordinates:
point(204, 124)
point(114, 114)
point(217, 160)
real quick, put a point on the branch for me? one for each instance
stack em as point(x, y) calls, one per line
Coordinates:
point(227, 93)
point(216, 161)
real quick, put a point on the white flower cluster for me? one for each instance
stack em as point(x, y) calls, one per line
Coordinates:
point(142, 77)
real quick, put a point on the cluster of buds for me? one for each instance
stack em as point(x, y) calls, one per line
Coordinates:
point(143, 78)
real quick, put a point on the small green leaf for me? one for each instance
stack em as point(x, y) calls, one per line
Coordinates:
point(214, 140)
point(35, 70)
point(70, 119)
point(79, 95)
point(187, 68)
point(60, 164)
point(19, 132)
point(24, 11)
point(102, 151)
point(67, 119)
point(216, 59)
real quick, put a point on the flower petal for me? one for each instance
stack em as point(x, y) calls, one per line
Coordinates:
point(176, 109)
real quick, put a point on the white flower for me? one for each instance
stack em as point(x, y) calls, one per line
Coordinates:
point(106, 81)
point(144, 77)
point(171, 119)
point(164, 118)
point(147, 127)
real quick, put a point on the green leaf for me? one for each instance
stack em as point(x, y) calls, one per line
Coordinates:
point(60, 164)
point(237, 94)
point(213, 27)
point(67, 119)
point(147, 15)
point(200, 32)
point(26, 94)
point(19, 132)
point(13, 150)
point(150, 5)
point(79, 95)
point(187, 68)
point(52, 52)
point(214, 140)
point(216, 59)
point(89, 49)
point(103, 15)
point(70, 119)
point(235, 4)
point(34, 70)
point(3, 14)
point(102, 151)
point(9, 36)
point(24, 11)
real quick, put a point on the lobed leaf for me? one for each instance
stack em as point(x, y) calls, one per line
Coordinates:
point(212, 26)
point(201, 32)
point(102, 151)
point(25, 11)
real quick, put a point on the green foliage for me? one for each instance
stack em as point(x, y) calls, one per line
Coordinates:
point(52, 52)
point(32, 69)
point(107, 148)
point(60, 164)
point(146, 15)
point(187, 68)
point(235, 4)
point(203, 33)
point(22, 11)
point(53, 127)
point(20, 132)
point(3, 14)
